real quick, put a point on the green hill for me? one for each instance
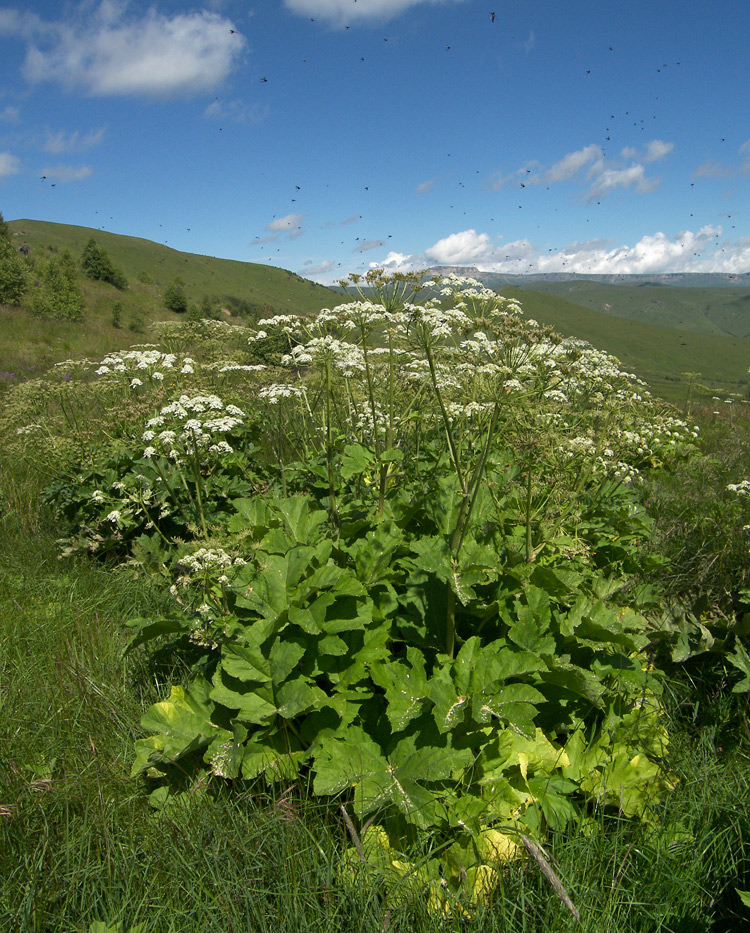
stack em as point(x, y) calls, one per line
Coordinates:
point(658, 354)
point(723, 311)
point(657, 331)
point(242, 290)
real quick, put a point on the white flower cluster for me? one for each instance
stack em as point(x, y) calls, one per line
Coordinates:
point(276, 391)
point(346, 357)
point(209, 559)
point(288, 323)
point(742, 488)
point(353, 315)
point(143, 362)
point(241, 368)
point(189, 425)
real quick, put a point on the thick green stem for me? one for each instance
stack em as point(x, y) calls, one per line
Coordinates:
point(329, 446)
point(450, 628)
point(529, 548)
point(281, 454)
point(199, 497)
point(446, 422)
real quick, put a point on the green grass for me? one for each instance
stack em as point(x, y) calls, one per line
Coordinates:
point(80, 843)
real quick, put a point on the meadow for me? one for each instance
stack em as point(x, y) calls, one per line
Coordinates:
point(404, 613)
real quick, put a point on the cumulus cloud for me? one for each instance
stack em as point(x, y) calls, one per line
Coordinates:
point(466, 247)
point(396, 262)
point(9, 164)
point(702, 250)
point(155, 55)
point(66, 173)
point(345, 12)
point(72, 142)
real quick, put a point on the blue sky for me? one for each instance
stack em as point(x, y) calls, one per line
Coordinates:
point(329, 136)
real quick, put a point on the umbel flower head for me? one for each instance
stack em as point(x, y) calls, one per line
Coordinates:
point(191, 425)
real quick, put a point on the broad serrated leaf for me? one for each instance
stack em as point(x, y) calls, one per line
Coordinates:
point(246, 664)
point(150, 629)
point(182, 723)
point(301, 520)
point(254, 704)
point(278, 757)
point(434, 557)
point(298, 696)
point(405, 686)
point(513, 703)
point(530, 630)
point(356, 460)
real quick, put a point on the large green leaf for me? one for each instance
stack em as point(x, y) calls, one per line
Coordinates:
point(351, 759)
point(405, 686)
point(530, 630)
point(254, 704)
point(356, 460)
point(513, 703)
point(182, 724)
point(246, 664)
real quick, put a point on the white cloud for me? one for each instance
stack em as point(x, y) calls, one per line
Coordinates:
point(367, 245)
point(395, 262)
point(425, 186)
point(603, 176)
point(72, 142)
point(66, 173)
point(605, 180)
point(656, 150)
point(570, 165)
point(530, 42)
point(156, 55)
point(466, 247)
point(291, 224)
point(236, 111)
point(702, 250)
point(310, 271)
point(9, 164)
point(346, 12)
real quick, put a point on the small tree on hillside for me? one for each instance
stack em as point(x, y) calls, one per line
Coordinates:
point(175, 298)
point(13, 273)
point(4, 229)
point(96, 264)
point(58, 294)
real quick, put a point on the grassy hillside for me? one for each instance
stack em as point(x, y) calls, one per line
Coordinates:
point(658, 354)
point(244, 290)
point(719, 311)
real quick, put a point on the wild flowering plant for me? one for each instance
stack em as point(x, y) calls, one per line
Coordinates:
point(430, 620)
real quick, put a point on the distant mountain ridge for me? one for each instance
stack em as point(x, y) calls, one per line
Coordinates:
point(679, 279)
